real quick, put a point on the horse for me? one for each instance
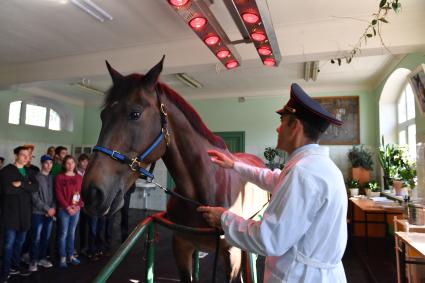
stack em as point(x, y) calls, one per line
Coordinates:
point(141, 114)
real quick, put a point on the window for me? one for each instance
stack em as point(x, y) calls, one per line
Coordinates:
point(15, 112)
point(34, 114)
point(406, 120)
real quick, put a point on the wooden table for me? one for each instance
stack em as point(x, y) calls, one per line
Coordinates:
point(370, 208)
point(411, 240)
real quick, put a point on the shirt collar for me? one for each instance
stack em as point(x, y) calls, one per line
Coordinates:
point(309, 149)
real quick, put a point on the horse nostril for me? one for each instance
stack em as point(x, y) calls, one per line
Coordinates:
point(93, 197)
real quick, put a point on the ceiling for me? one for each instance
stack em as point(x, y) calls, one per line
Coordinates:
point(47, 46)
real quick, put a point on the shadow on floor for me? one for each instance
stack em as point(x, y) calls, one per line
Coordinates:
point(380, 259)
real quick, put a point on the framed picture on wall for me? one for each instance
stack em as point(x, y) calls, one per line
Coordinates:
point(417, 81)
point(346, 109)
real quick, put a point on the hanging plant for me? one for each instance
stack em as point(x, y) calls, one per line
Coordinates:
point(372, 30)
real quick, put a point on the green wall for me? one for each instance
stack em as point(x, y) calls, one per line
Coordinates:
point(38, 134)
point(256, 116)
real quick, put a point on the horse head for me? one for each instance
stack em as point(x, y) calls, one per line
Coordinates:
point(131, 104)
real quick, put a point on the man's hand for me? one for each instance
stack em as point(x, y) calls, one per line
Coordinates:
point(212, 215)
point(221, 159)
point(16, 184)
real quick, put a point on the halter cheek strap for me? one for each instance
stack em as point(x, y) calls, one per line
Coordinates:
point(136, 163)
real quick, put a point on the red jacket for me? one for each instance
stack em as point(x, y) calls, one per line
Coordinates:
point(65, 189)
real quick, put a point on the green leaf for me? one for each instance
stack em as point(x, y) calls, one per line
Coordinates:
point(383, 20)
point(349, 60)
point(369, 35)
point(332, 61)
point(339, 61)
point(374, 31)
point(374, 22)
point(382, 3)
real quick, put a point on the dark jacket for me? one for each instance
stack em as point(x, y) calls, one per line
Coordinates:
point(17, 201)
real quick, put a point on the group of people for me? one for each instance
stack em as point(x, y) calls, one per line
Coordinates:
point(32, 198)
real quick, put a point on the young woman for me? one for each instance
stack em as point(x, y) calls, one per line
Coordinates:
point(68, 190)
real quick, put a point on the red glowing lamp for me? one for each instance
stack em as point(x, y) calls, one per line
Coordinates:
point(198, 22)
point(250, 18)
point(223, 54)
point(264, 51)
point(212, 39)
point(269, 62)
point(231, 64)
point(178, 3)
point(258, 36)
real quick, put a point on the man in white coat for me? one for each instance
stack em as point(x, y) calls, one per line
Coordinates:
point(303, 231)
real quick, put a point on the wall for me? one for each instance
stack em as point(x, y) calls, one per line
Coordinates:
point(13, 135)
point(257, 117)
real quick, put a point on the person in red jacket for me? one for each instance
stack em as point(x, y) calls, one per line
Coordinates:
point(67, 190)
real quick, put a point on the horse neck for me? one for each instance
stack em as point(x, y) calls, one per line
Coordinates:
point(187, 160)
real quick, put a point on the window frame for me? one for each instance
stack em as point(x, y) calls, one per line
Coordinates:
point(404, 126)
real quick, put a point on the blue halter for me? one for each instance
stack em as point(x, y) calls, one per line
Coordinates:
point(135, 163)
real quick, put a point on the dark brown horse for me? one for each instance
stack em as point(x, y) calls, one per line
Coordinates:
point(132, 120)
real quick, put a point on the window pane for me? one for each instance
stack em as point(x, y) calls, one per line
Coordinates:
point(14, 112)
point(411, 130)
point(54, 120)
point(402, 108)
point(402, 137)
point(35, 115)
point(410, 100)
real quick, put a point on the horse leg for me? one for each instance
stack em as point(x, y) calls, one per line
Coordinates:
point(183, 250)
point(232, 258)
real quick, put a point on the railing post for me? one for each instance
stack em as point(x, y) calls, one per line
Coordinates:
point(150, 254)
point(195, 264)
point(253, 266)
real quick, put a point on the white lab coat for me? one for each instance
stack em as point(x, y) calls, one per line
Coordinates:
point(303, 232)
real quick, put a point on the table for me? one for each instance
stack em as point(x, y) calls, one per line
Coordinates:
point(411, 240)
point(368, 207)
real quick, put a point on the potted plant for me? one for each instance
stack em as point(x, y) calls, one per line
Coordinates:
point(398, 169)
point(361, 162)
point(275, 158)
point(353, 187)
point(372, 189)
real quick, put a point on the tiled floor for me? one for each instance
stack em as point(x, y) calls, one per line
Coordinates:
point(380, 259)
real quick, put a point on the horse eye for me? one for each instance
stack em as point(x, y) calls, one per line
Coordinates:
point(135, 115)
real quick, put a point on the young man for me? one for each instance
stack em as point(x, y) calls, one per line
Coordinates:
point(31, 169)
point(60, 153)
point(17, 187)
point(43, 211)
point(303, 232)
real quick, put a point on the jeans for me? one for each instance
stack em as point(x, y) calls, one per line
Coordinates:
point(12, 247)
point(66, 238)
point(95, 240)
point(41, 231)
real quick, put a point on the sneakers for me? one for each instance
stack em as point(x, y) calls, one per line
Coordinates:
point(45, 263)
point(14, 271)
point(24, 272)
point(74, 261)
point(33, 267)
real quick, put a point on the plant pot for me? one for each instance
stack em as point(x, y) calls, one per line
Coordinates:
point(361, 174)
point(354, 192)
point(374, 194)
point(397, 185)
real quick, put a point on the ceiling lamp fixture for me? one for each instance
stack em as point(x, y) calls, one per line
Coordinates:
point(188, 80)
point(255, 16)
point(199, 17)
point(93, 10)
point(250, 16)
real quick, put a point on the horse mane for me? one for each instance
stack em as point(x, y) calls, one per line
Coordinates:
point(133, 81)
point(193, 116)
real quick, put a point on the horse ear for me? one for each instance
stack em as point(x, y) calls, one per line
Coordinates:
point(116, 77)
point(153, 75)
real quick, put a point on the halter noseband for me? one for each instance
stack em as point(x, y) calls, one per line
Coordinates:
point(135, 163)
